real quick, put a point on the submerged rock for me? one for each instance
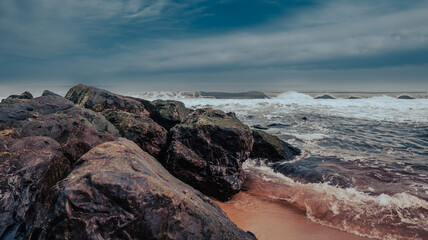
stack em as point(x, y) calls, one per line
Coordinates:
point(271, 147)
point(325, 96)
point(353, 97)
point(33, 108)
point(168, 113)
point(29, 167)
point(405, 97)
point(258, 126)
point(277, 125)
point(207, 151)
point(99, 100)
point(145, 132)
point(118, 191)
point(76, 129)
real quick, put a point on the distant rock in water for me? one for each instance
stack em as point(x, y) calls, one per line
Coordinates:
point(271, 147)
point(405, 97)
point(304, 118)
point(207, 151)
point(277, 125)
point(325, 96)
point(258, 126)
point(353, 97)
point(240, 95)
point(118, 191)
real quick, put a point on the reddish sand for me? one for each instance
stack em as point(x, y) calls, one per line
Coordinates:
point(273, 220)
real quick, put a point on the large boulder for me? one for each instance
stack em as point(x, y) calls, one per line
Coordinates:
point(32, 108)
point(29, 167)
point(145, 132)
point(168, 113)
point(207, 151)
point(118, 191)
point(76, 129)
point(271, 147)
point(49, 93)
point(99, 100)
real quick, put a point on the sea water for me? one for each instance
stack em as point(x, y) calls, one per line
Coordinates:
point(364, 162)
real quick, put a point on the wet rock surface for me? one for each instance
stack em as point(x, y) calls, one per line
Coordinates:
point(207, 151)
point(168, 113)
point(271, 147)
point(76, 129)
point(149, 135)
point(29, 167)
point(99, 100)
point(33, 108)
point(118, 191)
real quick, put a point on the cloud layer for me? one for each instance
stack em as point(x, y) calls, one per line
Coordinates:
point(143, 41)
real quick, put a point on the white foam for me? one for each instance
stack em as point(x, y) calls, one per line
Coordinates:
point(383, 216)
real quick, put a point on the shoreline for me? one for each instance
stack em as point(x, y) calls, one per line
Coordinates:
point(271, 219)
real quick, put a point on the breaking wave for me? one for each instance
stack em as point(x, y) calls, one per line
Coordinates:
point(382, 216)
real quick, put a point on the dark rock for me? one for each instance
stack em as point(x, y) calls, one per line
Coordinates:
point(352, 97)
point(99, 100)
point(49, 93)
point(271, 147)
point(149, 135)
point(168, 113)
point(304, 118)
point(239, 95)
point(33, 108)
point(405, 97)
point(277, 125)
point(29, 167)
point(258, 126)
point(118, 191)
point(325, 96)
point(207, 151)
point(76, 129)
point(25, 96)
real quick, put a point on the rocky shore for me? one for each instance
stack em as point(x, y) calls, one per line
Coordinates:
point(98, 165)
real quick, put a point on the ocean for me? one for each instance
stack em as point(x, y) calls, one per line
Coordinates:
point(364, 162)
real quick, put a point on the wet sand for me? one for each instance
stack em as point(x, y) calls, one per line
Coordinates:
point(276, 220)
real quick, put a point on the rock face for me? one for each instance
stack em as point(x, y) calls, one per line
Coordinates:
point(118, 191)
point(99, 100)
point(76, 129)
point(168, 113)
point(149, 135)
point(207, 151)
point(29, 167)
point(33, 108)
point(49, 93)
point(325, 96)
point(271, 147)
point(405, 97)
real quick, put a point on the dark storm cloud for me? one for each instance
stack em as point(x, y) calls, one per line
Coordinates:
point(143, 41)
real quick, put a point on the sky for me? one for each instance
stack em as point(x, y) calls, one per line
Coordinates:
point(225, 45)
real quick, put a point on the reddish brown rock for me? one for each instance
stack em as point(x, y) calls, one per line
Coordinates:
point(207, 151)
point(118, 191)
point(99, 100)
point(76, 129)
point(145, 132)
point(29, 167)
